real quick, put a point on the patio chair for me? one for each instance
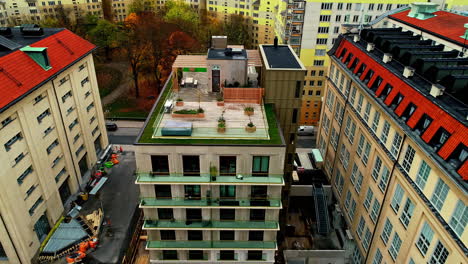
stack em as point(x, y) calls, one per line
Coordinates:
point(182, 83)
point(195, 83)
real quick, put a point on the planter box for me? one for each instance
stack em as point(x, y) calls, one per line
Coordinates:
point(250, 129)
point(249, 113)
point(179, 103)
point(220, 103)
point(221, 129)
point(199, 115)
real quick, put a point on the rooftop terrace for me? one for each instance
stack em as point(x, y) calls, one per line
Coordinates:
point(203, 130)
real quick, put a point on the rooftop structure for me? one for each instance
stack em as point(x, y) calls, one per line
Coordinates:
point(393, 138)
point(280, 57)
point(52, 131)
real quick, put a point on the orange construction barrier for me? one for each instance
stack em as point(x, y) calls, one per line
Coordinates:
point(83, 246)
point(93, 243)
point(114, 156)
point(75, 257)
point(115, 161)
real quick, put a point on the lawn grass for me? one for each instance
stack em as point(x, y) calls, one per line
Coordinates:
point(146, 136)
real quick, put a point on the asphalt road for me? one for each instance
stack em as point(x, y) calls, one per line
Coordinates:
point(123, 135)
point(306, 141)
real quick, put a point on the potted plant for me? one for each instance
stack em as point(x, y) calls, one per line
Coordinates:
point(220, 100)
point(221, 127)
point(250, 127)
point(179, 102)
point(248, 110)
point(213, 173)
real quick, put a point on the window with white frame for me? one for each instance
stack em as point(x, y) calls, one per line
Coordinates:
point(326, 124)
point(368, 200)
point(385, 130)
point(347, 200)
point(375, 122)
point(352, 133)
point(377, 257)
point(440, 193)
point(334, 138)
point(422, 175)
point(384, 179)
point(367, 238)
point(354, 172)
point(395, 246)
point(375, 210)
point(367, 112)
point(347, 126)
point(367, 149)
point(353, 95)
point(360, 227)
point(459, 218)
point(352, 209)
point(359, 179)
point(440, 254)
point(360, 146)
point(407, 212)
point(376, 170)
point(425, 238)
point(397, 197)
point(339, 181)
point(337, 111)
point(359, 103)
point(386, 231)
point(357, 258)
point(408, 158)
point(396, 144)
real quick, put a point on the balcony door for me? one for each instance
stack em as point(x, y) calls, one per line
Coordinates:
point(191, 165)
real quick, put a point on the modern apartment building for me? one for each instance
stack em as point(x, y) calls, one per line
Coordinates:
point(216, 195)
point(51, 129)
point(393, 137)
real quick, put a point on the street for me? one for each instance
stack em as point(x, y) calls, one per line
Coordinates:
point(126, 133)
point(306, 141)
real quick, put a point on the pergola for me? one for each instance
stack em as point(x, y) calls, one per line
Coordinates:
point(188, 63)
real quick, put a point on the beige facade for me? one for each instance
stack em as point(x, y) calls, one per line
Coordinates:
point(401, 206)
point(49, 140)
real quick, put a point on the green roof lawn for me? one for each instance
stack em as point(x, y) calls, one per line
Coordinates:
point(146, 135)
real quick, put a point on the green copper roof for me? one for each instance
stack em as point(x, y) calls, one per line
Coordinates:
point(39, 55)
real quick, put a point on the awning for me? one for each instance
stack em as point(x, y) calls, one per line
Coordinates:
point(190, 61)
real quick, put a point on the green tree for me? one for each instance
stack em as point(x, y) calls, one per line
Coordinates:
point(237, 30)
point(140, 6)
point(107, 36)
point(183, 15)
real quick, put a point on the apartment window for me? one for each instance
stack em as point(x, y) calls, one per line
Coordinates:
point(297, 93)
point(397, 197)
point(368, 76)
point(73, 124)
point(440, 193)
point(395, 246)
point(66, 96)
point(254, 255)
point(340, 6)
point(347, 200)
point(324, 18)
point(396, 144)
point(88, 93)
point(358, 185)
point(377, 167)
point(425, 238)
point(352, 209)
point(422, 175)
point(163, 191)
point(375, 122)
point(167, 235)
point(257, 214)
point(319, 62)
point(91, 120)
point(379, 7)
point(338, 18)
point(23, 175)
point(70, 110)
point(323, 29)
point(423, 124)
point(367, 238)
point(84, 81)
point(169, 254)
point(57, 178)
point(35, 205)
point(359, 103)
point(396, 101)
point(408, 159)
point(255, 235)
point(226, 235)
point(368, 200)
point(192, 192)
point(360, 227)
point(459, 218)
point(312, 73)
point(38, 98)
point(165, 214)
point(193, 214)
point(227, 191)
point(294, 116)
point(334, 138)
point(360, 146)
point(159, 165)
point(386, 91)
point(78, 151)
point(352, 133)
point(322, 41)
point(440, 254)
point(319, 83)
point(260, 166)
point(367, 111)
point(89, 107)
point(367, 149)
point(326, 124)
point(52, 146)
point(227, 255)
point(385, 130)
point(375, 210)
point(227, 214)
point(356, 258)
point(384, 179)
point(191, 165)
point(386, 231)
point(407, 212)
point(339, 181)
point(371, 6)
point(408, 112)
point(377, 257)
point(320, 73)
point(327, 6)
point(389, 7)
point(227, 165)
point(320, 52)
point(43, 115)
point(196, 255)
point(355, 18)
point(439, 139)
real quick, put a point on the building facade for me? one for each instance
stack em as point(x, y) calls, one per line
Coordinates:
point(52, 129)
point(393, 137)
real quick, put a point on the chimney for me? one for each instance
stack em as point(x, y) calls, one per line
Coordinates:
point(387, 57)
point(370, 47)
point(356, 38)
point(437, 90)
point(408, 71)
point(219, 42)
point(275, 42)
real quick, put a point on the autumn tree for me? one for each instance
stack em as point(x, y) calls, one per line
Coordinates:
point(107, 10)
point(182, 15)
point(107, 35)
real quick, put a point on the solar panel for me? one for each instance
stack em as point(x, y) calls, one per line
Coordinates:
point(8, 44)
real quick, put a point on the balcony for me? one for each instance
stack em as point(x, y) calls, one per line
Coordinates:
point(196, 203)
point(229, 225)
point(239, 179)
point(215, 245)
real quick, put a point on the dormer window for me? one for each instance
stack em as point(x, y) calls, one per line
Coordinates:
point(409, 111)
point(354, 64)
point(368, 76)
point(39, 55)
point(423, 123)
point(348, 58)
point(396, 101)
point(343, 52)
point(376, 84)
point(458, 156)
point(439, 139)
point(386, 91)
point(361, 70)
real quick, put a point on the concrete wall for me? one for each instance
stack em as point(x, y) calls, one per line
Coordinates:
point(16, 225)
point(230, 70)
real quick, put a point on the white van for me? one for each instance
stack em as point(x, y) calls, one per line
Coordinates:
point(305, 131)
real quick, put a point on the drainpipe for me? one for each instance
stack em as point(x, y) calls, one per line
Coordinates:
point(395, 163)
point(9, 237)
point(66, 137)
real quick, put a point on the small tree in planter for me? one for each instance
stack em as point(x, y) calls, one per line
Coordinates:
point(248, 110)
point(250, 127)
point(179, 102)
point(221, 124)
point(220, 100)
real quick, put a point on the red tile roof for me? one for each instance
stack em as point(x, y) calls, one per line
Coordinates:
point(445, 24)
point(63, 49)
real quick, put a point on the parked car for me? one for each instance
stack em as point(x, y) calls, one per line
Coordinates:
point(305, 131)
point(111, 126)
